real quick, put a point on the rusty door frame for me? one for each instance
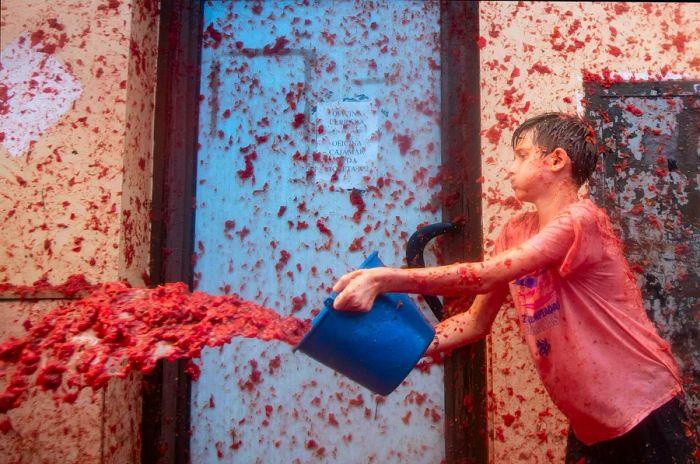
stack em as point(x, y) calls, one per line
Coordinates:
point(165, 419)
point(466, 422)
point(166, 392)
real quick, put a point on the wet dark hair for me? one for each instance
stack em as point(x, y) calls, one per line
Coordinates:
point(566, 131)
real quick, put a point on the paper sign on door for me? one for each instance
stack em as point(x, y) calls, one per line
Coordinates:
point(346, 143)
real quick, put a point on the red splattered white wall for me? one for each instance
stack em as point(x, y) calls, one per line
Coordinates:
point(76, 113)
point(536, 57)
point(76, 102)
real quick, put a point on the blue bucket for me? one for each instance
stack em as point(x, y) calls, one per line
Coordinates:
point(377, 349)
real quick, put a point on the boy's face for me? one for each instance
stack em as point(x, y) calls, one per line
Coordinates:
point(529, 174)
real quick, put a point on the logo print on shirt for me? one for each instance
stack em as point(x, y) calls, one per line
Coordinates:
point(538, 302)
point(543, 347)
point(535, 290)
point(527, 281)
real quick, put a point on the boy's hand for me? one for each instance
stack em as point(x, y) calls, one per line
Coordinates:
point(433, 349)
point(357, 290)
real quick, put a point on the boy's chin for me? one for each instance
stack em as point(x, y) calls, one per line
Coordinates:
point(521, 196)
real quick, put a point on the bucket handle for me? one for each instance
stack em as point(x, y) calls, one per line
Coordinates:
point(414, 254)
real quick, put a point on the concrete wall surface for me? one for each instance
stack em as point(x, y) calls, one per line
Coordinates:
point(77, 83)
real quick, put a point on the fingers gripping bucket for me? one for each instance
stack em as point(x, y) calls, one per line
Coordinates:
point(377, 349)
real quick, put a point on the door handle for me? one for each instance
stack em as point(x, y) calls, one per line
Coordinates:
point(414, 254)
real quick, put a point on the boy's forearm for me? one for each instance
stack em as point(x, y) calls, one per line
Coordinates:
point(461, 278)
point(455, 279)
point(358, 289)
point(455, 332)
point(469, 326)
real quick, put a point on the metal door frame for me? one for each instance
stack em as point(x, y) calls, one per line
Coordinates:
point(165, 421)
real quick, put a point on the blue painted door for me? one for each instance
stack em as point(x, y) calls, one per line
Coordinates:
point(319, 143)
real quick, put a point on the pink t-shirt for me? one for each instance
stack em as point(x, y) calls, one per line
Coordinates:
point(598, 354)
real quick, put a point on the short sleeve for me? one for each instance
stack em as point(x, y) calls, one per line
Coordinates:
point(501, 241)
point(514, 232)
point(571, 239)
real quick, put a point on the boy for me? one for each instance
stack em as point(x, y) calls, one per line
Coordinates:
point(581, 313)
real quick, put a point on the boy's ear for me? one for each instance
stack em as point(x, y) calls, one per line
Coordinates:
point(558, 159)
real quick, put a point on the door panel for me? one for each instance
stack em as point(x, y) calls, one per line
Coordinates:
point(319, 143)
point(649, 183)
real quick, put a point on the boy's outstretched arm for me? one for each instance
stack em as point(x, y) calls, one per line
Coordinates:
point(471, 325)
point(358, 289)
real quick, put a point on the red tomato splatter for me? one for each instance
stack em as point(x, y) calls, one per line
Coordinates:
point(357, 201)
point(356, 244)
point(243, 233)
point(632, 108)
point(323, 228)
point(277, 48)
point(404, 141)
point(75, 284)
point(248, 172)
point(299, 119)
point(274, 364)
point(621, 7)
point(214, 35)
point(614, 51)
point(229, 225)
point(493, 134)
point(540, 68)
point(508, 419)
point(284, 258)
point(298, 302)
point(6, 425)
point(117, 329)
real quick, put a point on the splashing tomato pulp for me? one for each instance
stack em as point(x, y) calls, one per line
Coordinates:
point(118, 329)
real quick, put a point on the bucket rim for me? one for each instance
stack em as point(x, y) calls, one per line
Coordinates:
point(369, 258)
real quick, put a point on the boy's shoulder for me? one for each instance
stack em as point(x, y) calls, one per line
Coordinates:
point(585, 213)
point(586, 207)
point(516, 230)
point(583, 218)
point(582, 215)
point(522, 220)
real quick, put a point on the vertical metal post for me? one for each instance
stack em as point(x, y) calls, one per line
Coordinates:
point(166, 392)
point(465, 371)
